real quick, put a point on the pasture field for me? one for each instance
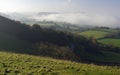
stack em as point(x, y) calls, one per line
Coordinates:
point(22, 64)
point(99, 35)
point(110, 41)
point(94, 33)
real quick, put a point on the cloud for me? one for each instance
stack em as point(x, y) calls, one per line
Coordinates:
point(69, 0)
point(81, 19)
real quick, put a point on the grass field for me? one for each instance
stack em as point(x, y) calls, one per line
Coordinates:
point(21, 64)
point(94, 33)
point(98, 34)
point(110, 41)
point(12, 43)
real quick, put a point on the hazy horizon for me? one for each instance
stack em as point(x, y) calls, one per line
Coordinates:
point(83, 12)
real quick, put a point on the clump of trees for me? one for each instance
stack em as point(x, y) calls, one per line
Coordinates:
point(113, 35)
point(55, 51)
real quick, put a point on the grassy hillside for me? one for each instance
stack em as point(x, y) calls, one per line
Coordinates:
point(21, 64)
point(100, 34)
point(13, 43)
point(94, 33)
point(110, 41)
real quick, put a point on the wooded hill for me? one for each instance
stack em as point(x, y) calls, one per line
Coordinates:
point(58, 44)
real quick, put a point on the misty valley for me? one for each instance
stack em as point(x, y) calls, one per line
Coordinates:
point(41, 37)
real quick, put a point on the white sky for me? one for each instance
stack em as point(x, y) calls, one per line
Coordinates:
point(101, 11)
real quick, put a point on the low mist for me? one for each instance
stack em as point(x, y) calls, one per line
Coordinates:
point(80, 19)
point(73, 18)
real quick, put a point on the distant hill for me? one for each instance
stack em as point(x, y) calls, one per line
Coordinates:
point(107, 36)
point(62, 26)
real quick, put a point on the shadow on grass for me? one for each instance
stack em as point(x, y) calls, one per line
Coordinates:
point(82, 60)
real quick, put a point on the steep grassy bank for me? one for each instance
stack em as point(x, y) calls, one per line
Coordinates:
point(21, 64)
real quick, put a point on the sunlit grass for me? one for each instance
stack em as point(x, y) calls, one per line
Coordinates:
point(94, 33)
point(110, 41)
point(21, 64)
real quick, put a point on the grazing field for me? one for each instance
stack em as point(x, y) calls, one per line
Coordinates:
point(110, 41)
point(21, 64)
point(99, 35)
point(94, 33)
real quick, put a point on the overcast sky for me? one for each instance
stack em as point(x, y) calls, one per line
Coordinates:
point(98, 9)
point(103, 6)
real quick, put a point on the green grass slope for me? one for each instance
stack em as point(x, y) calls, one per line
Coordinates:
point(21, 64)
point(94, 33)
point(12, 43)
point(100, 34)
point(110, 41)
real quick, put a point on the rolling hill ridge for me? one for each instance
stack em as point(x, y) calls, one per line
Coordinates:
point(57, 44)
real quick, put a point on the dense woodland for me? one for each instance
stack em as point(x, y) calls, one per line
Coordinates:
point(113, 35)
point(56, 44)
